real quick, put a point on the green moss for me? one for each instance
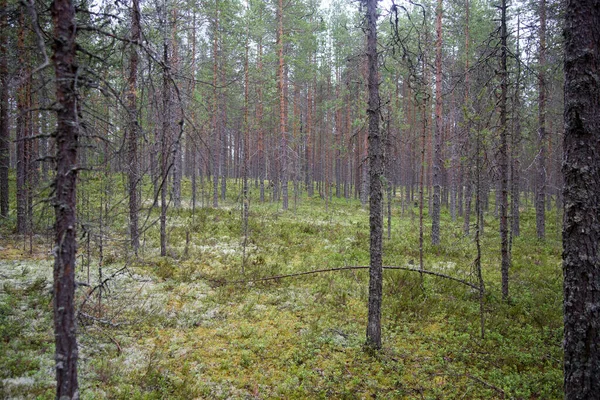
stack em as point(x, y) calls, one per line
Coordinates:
point(178, 331)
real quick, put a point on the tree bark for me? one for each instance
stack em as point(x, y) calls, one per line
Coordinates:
point(67, 132)
point(540, 199)
point(437, 133)
point(23, 128)
point(4, 123)
point(133, 126)
point(282, 106)
point(503, 155)
point(581, 172)
point(375, 178)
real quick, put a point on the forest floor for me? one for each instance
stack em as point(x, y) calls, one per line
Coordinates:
point(177, 327)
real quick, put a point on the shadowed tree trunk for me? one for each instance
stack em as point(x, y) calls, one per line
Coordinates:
point(4, 125)
point(437, 133)
point(67, 132)
point(23, 128)
point(581, 171)
point(375, 178)
point(165, 141)
point(540, 199)
point(515, 143)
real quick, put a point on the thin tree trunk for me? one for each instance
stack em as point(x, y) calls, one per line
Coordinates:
point(4, 123)
point(505, 260)
point(467, 173)
point(245, 199)
point(437, 133)
point(133, 126)
point(515, 144)
point(375, 190)
point(540, 206)
point(259, 125)
point(165, 146)
point(282, 106)
point(23, 128)
point(215, 119)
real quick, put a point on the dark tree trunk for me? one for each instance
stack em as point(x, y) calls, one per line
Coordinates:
point(133, 126)
point(503, 156)
point(23, 129)
point(165, 146)
point(4, 124)
point(581, 172)
point(375, 178)
point(515, 165)
point(437, 133)
point(67, 132)
point(540, 199)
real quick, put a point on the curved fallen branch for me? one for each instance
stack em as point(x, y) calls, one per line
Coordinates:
point(317, 271)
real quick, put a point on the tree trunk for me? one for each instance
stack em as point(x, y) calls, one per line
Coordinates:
point(581, 172)
point(165, 146)
point(503, 156)
point(133, 126)
point(215, 119)
point(375, 178)
point(67, 132)
point(540, 206)
point(282, 106)
point(437, 133)
point(259, 122)
point(515, 144)
point(23, 128)
point(4, 123)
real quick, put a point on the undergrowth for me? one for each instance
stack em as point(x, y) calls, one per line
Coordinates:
point(174, 328)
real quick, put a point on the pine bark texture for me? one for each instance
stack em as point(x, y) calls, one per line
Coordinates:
point(540, 194)
point(581, 228)
point(503, 156)
point(281, 87)
point(67, 132)
point(4, 124)
point(437, 133)
point(133, 126)
point(375, 179)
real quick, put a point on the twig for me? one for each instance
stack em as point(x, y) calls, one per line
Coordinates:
point(102, 321)
point(484, 383)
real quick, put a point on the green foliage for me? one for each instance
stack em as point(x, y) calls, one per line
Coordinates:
point(180, 332)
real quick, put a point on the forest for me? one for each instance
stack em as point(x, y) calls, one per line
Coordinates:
point(224, 199)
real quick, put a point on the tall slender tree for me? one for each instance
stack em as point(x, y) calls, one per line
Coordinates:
point(281, 87)
point(133, 125)
point(65, 188)
point(375, 182)
point(540, 193)
point(503, 151)
point(437, 133)
point(4, 124)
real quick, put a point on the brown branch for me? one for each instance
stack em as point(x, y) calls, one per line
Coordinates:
point(270, 278)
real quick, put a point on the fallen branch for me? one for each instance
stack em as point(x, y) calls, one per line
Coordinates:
point(99, 320)
point(317, 271)
point(487, 384)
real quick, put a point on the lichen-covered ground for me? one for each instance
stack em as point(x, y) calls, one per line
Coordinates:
point(174, 328)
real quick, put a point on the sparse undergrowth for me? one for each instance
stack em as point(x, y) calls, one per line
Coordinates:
point(172, 328)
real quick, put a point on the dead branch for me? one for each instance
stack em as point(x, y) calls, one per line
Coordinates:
point(347, 268)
